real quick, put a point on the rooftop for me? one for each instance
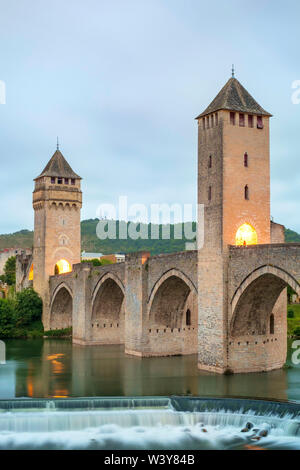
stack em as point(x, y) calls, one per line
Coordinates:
point(58, 167)
point(234, 97)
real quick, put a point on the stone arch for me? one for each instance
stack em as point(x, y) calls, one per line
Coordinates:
point(168, 299)
point(107, 320)
point(253, 302)
point(61, 307)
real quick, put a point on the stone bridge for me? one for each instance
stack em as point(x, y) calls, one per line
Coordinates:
point(256, 322)
point(149, 304)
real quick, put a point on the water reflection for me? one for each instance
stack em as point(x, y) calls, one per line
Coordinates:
point(56, 368)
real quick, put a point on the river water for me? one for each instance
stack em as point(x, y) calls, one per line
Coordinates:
point(56, 368)
point(52, 372)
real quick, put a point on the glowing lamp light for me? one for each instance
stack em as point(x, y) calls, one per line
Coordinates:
point(63, 266)
point(30, 277)
point(246, 235)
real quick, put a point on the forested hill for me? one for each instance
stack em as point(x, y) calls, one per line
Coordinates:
point(91, 243)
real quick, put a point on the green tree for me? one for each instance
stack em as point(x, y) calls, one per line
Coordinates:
point(290, 293)
point(7, 318)
point(29, 307)
point(97, 262)
point(10, 271)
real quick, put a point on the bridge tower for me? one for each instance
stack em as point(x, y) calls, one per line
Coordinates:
point(57, 200)
point(234, 188)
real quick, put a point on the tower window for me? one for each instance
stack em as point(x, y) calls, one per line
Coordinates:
point(209, 193)
point(260, 122)
point(66, 180)
point(216, 119)
point(53, 180)
point(242, 120)
point(212, 120)
point(59, 180)
point(207, 122)
point(272, 324)
point(73, 181)
point(250, 121)
point(246, 159)
point(232, 119)
point(188, 318)
point(210, 162)
point(246, 191)
point(203, 123)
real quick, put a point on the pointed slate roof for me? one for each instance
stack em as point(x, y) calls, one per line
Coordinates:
point(58, 166)
point(234, 97)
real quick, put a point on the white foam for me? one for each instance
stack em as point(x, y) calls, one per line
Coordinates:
point(142, 429)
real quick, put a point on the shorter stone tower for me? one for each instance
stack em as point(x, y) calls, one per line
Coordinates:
point(57, 200)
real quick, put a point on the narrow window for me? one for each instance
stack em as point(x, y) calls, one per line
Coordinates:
point(210, 162)
point(246, 192)
point(216, 119)
point(212, 120)
point(203, 123)
point(188, 318)
point(66, 180)
point(73, 181)
point(232, 119)
point(250, 120)
point(260, 122)
point(242, 120)
point(207, 122)
point(52, 180)
point(246, 159)
point(272, 324)
point(209, 193)
point(59, 180)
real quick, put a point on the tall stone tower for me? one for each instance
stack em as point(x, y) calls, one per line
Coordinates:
point(234, 188)
point(57, 200)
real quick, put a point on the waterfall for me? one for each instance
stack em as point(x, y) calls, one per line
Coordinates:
point(147, 423)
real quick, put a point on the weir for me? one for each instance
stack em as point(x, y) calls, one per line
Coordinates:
point(148, 423)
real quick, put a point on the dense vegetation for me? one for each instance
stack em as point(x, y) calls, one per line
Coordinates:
point(97, 262)
point(90, 242)
point(291, 236)
point(294, 320)
point(21, 315)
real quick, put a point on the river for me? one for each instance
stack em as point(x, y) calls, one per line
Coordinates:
point(54, 368)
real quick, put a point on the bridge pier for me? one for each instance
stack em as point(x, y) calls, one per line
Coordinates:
point(81, 317)
point(136, 289)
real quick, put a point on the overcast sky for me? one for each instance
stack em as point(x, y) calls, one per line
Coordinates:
point(120, 82)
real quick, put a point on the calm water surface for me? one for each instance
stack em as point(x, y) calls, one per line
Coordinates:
point(56, 368)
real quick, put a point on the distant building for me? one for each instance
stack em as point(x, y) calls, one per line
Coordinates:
point(7, 253)
point(89, 256)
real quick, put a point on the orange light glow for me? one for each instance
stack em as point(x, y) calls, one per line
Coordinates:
point(57, 365)
point(63, 266)
point(61, 394)
point(246, 235)
point(30, 277)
